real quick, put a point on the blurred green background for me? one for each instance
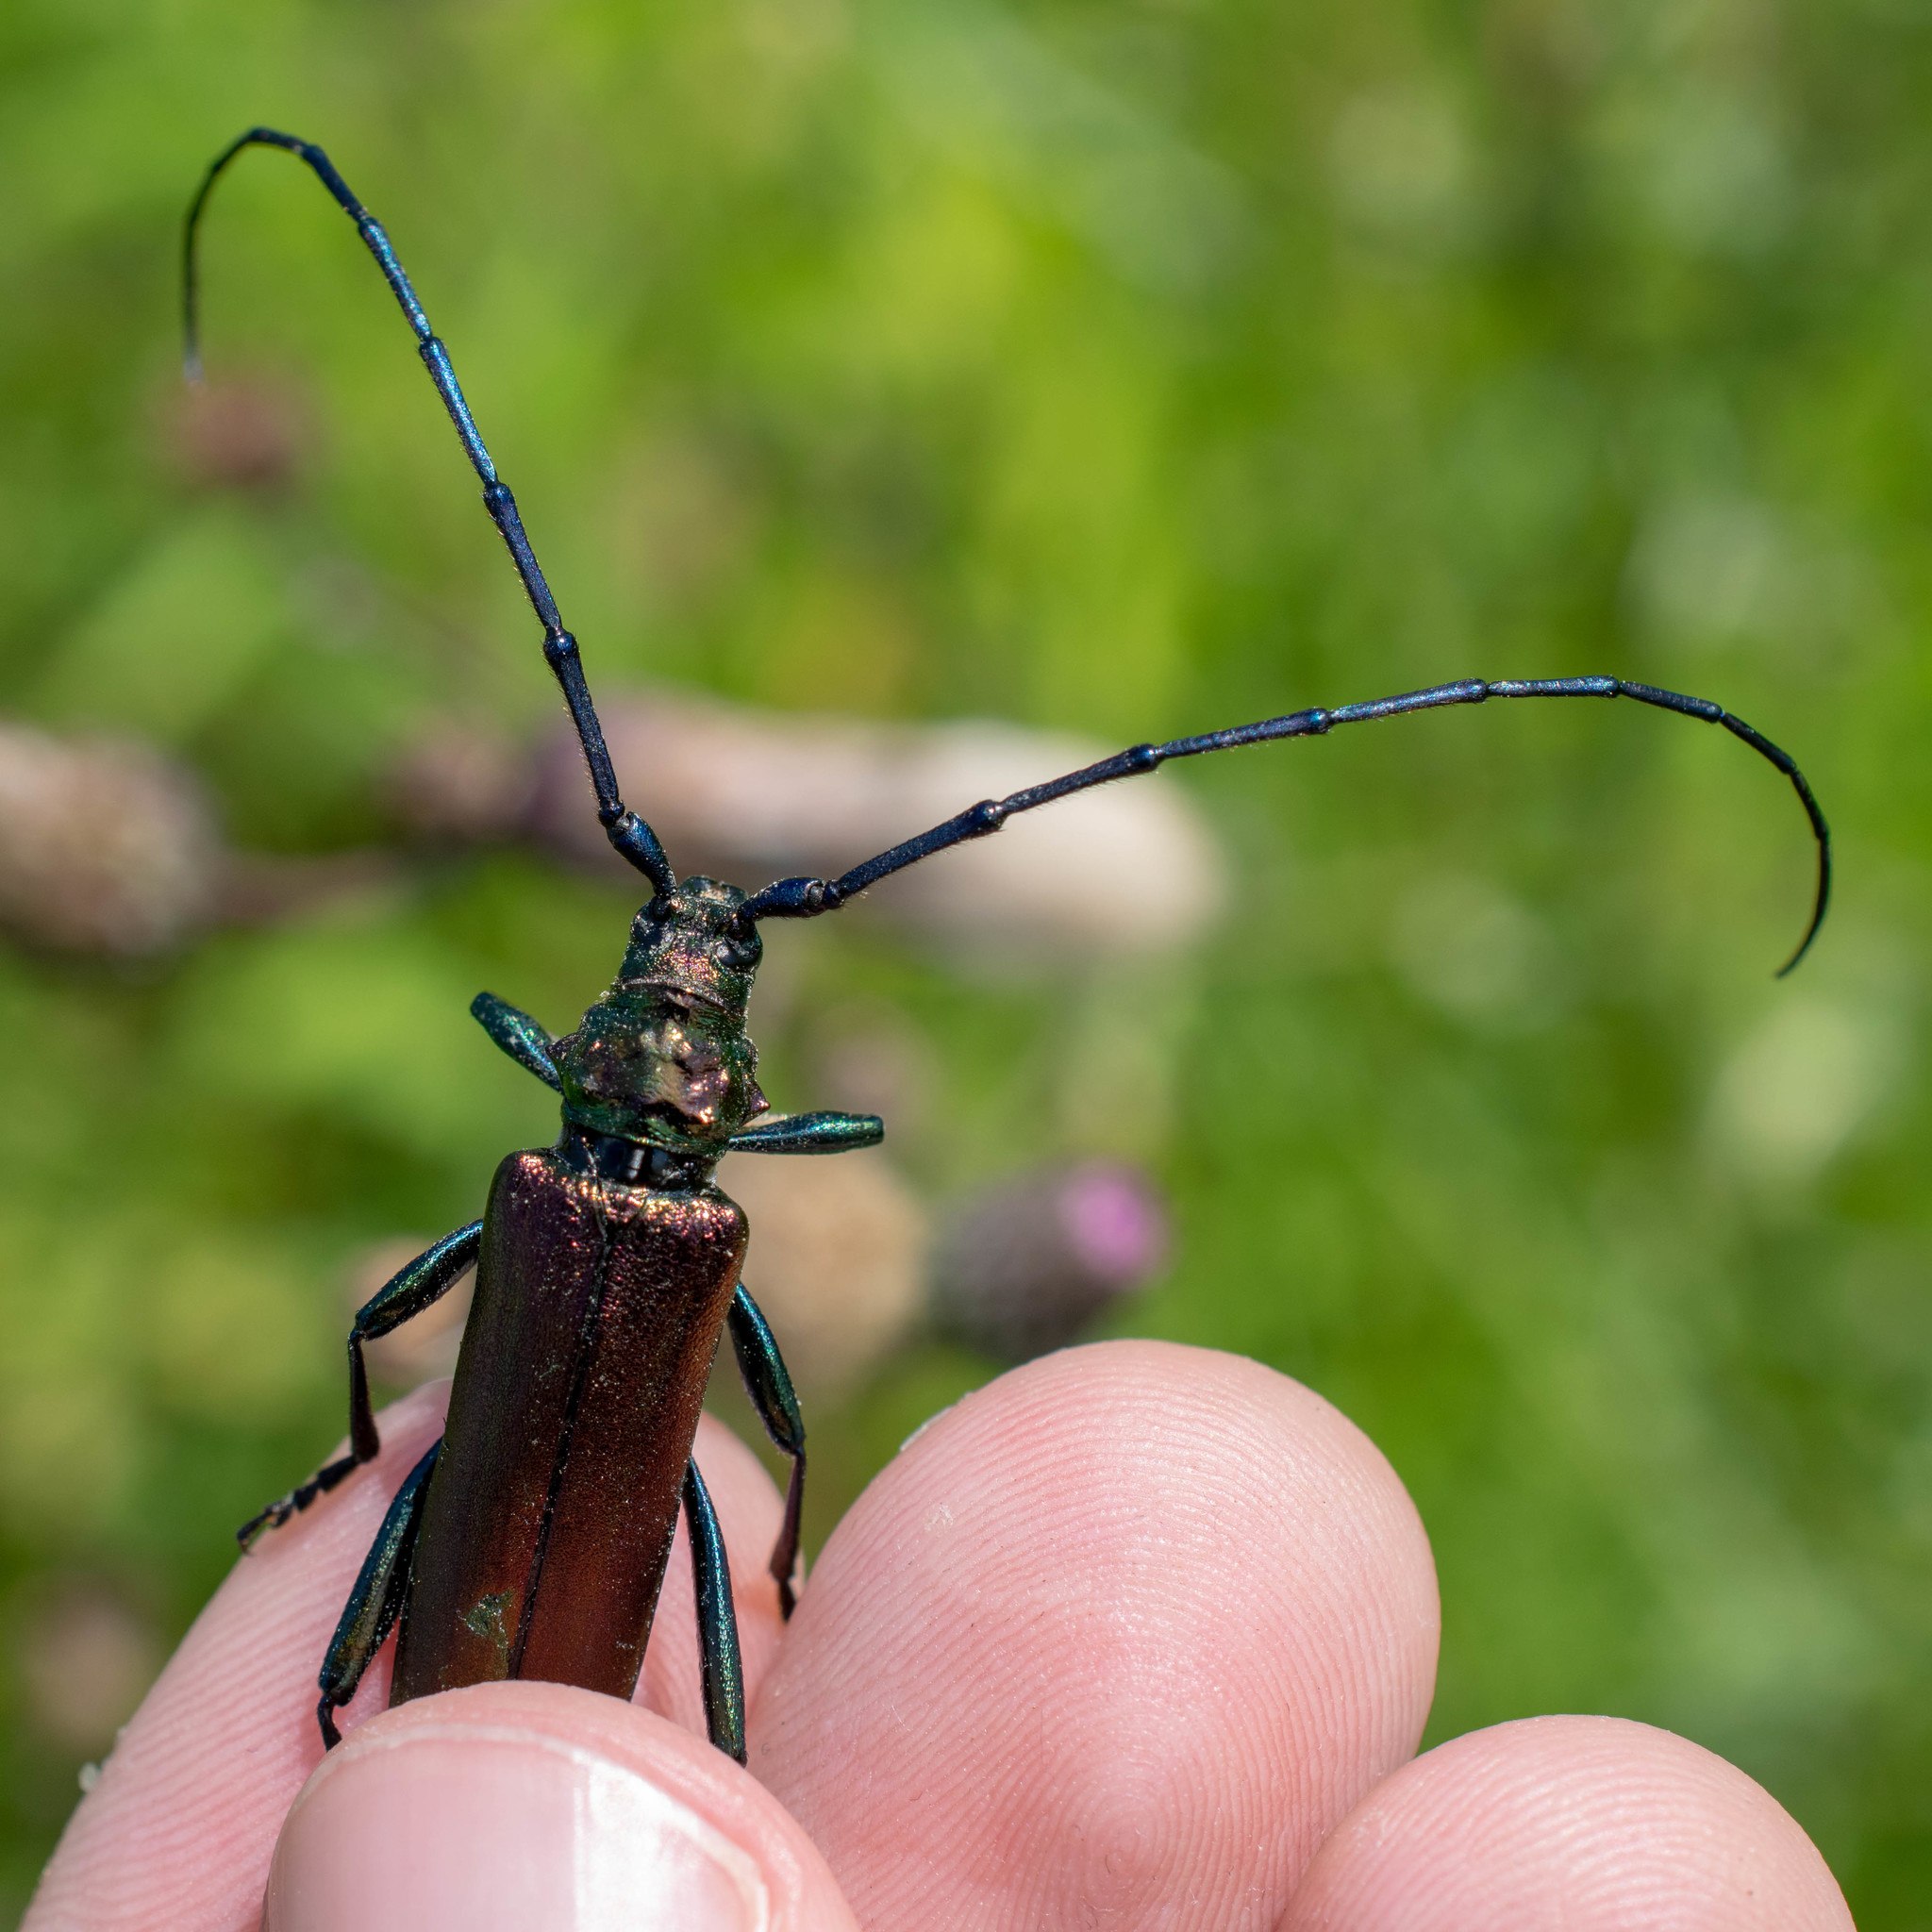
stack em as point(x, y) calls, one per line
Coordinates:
point(1130, 369)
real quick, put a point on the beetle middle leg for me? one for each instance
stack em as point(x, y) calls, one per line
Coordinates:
point(407, 1293)
point(723, 1668)
point(375, 1602)
point(768, 1382)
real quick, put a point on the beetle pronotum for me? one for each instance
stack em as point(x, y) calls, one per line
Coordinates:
point(532, 1539)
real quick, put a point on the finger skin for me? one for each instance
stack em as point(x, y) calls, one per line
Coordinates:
point(178, 1832)
point(1114, 1641)
point(523, 1806)
point(1586, 1823)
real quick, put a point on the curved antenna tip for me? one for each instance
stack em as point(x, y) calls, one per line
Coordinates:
point(1818, 907)
point(1791, 965)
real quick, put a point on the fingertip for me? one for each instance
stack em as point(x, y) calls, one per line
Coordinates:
point(1131, 1627)
point(1594, 1823)
point(519, 1805)
point(177, 1830)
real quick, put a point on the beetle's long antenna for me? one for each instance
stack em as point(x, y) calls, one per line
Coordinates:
point(800, 898)
point(627, 832)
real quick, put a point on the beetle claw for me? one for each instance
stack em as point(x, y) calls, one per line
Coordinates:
point(298, 1499)
point(269, 1519)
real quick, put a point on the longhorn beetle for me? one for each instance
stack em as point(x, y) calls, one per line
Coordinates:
point(531, 1541)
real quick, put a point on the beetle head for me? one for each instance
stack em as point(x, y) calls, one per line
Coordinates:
point(664, 1056)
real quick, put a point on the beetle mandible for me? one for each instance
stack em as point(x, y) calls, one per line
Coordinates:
point(531, 1541)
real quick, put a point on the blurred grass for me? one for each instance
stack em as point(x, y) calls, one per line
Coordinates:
point(1132, 369)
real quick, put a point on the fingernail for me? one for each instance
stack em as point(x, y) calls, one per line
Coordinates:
point(484, 1828)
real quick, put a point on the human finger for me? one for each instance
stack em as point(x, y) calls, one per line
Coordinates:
point(508, 1807)
point(1593, 1824)
point(1116, 1639)
point(177, 1831)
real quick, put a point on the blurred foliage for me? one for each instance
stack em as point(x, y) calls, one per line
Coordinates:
point(1133, 368)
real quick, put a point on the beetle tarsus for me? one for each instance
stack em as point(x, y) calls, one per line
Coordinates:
point(785, 1552)
point(406, 1293)
point(298, 1499)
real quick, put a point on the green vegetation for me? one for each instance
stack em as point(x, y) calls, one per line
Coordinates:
point(1130, 369)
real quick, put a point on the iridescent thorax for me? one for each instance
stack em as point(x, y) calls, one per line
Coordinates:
point(663, 1056)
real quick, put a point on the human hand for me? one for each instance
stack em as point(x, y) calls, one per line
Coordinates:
point(1137, 1635)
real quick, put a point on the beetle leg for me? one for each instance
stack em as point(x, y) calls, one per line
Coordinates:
point(724, 1671)
point(407, 1293)
point(768, 1382)
point(428, 1278)
point(375, 1602)
point(299, 1498)
point(808, 1133)
point(525, 1039)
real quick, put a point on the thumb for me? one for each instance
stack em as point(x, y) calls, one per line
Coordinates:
point(525, 1806)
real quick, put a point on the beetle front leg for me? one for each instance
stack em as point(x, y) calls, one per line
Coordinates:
point(768, 1382)
point(722, 1668)
point(407, 1293)
point(375, 1602)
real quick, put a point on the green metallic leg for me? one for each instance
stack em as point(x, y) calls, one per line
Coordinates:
point(768, 1383)
point(375, 1602)
point(724, 1671)
point(523, 1039)
point(428, 1278)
